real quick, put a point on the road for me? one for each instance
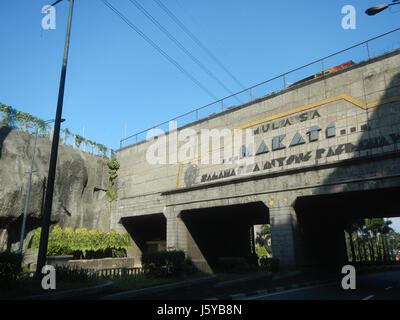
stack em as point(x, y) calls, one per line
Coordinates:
point(377, 286)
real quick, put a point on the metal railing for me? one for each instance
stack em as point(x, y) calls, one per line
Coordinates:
point(103, 273)
point(116, 272)
point(278, 83)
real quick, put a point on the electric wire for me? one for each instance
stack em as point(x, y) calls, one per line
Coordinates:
point(155, 46)
point(198, 42)
point(182, 47)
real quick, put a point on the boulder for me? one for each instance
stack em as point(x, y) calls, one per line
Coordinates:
point(79, 199)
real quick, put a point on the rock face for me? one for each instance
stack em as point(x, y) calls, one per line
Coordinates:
point(79, 192)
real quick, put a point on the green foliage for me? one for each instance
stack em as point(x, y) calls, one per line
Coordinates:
point(78, 140)
point(24, 121)
point(269, 264)
point(113, 166)
point(115, 240)
point(370, 240)
point(232, 265)
point(110, 194)
point(17, 119)
point(164, 263)
point(261, 251)
point(263, 239)
point(81, 242)
point(10, 266)
point(58, 244)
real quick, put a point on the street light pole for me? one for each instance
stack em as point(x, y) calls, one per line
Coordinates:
point(28, 190)
point(44, 236)
point(375, 10)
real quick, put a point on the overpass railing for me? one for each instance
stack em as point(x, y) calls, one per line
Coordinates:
point(368, 49)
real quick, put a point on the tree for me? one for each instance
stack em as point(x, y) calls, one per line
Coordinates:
point(351, 227)
point(385, 230)
point(263, 239)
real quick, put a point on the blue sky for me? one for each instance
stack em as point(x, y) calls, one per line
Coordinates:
point(116, 80)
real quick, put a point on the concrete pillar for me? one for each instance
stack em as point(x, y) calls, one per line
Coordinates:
point(179, 238)
point(172, 229)
point(283, 236)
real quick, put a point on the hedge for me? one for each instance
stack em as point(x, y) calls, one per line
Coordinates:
point(10, 266)
point(164, 263)
point(269, 264)
point(232, 265)
point(82, 242)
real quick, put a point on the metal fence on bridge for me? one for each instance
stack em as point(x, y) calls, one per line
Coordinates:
point(368, 49)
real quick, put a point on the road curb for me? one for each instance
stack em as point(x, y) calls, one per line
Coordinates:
point(303, 284)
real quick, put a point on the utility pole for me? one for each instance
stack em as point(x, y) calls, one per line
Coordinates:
point(44, 236)
point(28, 190)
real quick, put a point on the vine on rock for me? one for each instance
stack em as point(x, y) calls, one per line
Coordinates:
point(113, 166)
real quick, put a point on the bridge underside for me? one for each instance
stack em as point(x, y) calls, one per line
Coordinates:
point(321, 222)
point(306, 234)
point(226, 231)
point(147, 232)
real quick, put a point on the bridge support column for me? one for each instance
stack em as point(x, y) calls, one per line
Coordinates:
point(172, 229)
point(179, 238)
point(284, 237)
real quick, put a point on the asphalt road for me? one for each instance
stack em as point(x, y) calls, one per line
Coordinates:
point(377, 286)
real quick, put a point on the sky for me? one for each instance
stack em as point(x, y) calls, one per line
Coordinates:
point(117, 84)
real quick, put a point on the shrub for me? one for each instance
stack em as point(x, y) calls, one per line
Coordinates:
point(58, 244)
point(164, 263)
point(10, 266)
point(269, 264)
point(261, 251)
point(232, 265)
point(189, 268)
point(81, 242)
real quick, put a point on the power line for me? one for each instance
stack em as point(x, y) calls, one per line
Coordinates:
point(155, 46)
point(173, 39)
point(198, 42)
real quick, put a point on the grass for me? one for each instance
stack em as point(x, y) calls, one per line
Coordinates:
point(26, 287)
point(75, 279)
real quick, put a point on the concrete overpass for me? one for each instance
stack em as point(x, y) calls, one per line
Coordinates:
point(320, 152)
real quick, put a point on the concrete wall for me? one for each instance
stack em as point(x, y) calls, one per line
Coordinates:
point(79, 191)
point(356, 113)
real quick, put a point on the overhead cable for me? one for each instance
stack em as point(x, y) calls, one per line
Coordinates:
point(155, 46)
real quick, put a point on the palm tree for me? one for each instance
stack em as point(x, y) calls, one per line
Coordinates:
point(368, 234)
point(385, 230)
point(351, 227)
